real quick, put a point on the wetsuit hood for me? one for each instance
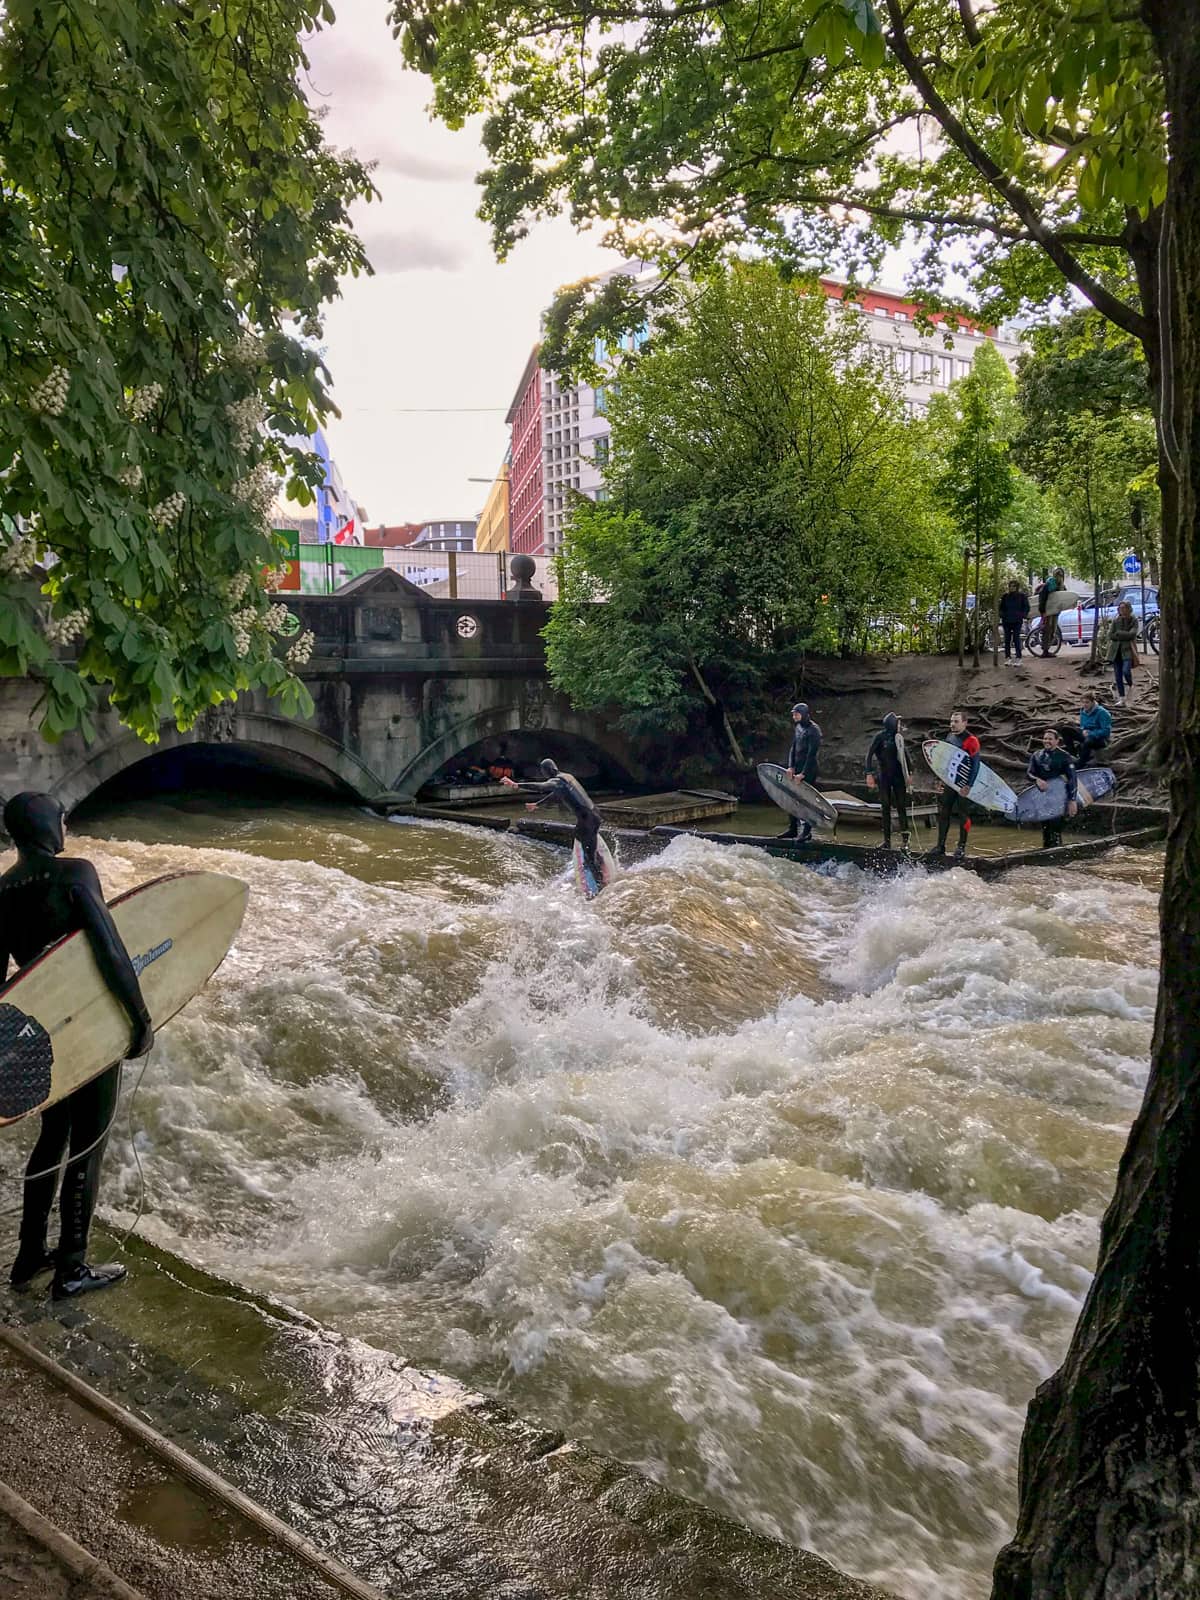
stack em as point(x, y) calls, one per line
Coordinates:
point(35, 822)
point(891, 723)
point(800, 709)
point(549, 768)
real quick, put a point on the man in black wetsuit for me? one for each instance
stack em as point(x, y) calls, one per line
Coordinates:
point(561, 786)
point(952, 801)
point(887, 766)
point(802, 763)
point(1046, 764)
point(43, 898)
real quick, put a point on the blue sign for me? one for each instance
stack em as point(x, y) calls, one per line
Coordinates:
point(1132, 565)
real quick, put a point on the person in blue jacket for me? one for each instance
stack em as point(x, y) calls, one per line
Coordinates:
point(1046, 764)
point(802, 763)
point(1093, 733)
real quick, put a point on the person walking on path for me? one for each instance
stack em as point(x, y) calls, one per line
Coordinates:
point(44, 897)
point(568, 790)
point(1046, 764)
point(887, 767)
point(952, 801)
point(1014, 613)
point(803, 763)
point(1122, 650)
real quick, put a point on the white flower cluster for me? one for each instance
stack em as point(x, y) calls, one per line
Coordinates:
point(249, 351)
point(61, 630)
point(242, 622)
point(168, 512)
point(50, 396)
point(18, 558)
point(237, 586)
point(274, 617)
point(143, 401)
point(272, 577)
point(131, 476)
point(257, 491)
point(246, 416)
point(300, 652)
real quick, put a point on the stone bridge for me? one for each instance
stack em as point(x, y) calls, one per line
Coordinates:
point(402, 684)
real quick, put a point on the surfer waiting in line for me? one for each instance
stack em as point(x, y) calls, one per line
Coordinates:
point(1046, 764)
point(570, 792)
point(887, 766)
point(952, 802)
point(42, 899)
point(802, 763)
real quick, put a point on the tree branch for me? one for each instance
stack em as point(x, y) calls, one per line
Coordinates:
point(1117, 311)
point(970, 26)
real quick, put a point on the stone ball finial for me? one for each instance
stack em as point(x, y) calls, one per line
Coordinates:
point(522, 568)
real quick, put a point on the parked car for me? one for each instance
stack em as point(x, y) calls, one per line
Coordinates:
point(1078, 626)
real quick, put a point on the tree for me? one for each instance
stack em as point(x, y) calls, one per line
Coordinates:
point(766, 494)
point(167, 202)
point(977, 485)
point(1043, 149)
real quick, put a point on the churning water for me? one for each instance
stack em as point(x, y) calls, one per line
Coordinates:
point(782, 1186)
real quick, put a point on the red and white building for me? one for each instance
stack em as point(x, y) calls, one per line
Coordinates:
point(527, 482)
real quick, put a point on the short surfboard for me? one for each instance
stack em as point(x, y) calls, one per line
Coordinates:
point(1047, 805)
point(797, 798)
point(61, 1025)
point(988, 790)
point(1061, 600)
point(586, 881)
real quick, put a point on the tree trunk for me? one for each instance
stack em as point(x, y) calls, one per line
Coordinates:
point(1110, 1460)
point(712, 700)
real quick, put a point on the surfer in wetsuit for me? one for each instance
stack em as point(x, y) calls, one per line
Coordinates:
point(561, 786)
point(1046, 764)
point(887, 766)
point(802, 763)
point(44, 897)
point(952, 801)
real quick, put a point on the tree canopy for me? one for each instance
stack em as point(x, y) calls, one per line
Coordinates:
point(172, 222)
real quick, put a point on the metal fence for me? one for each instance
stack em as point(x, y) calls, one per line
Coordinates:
point(325, 568)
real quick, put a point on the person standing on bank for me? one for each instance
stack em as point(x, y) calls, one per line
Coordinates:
point(1014, 613)
point(952, 800)
point(1122, 650)
point(1052, 585)
point(887, 766)
point(44, 897)
point(1046, 764)
point(802, 763)
point(568, 790)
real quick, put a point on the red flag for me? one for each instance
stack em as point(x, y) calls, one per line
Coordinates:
point(345, 535)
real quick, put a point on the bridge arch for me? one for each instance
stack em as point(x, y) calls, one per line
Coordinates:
point(274, 743)
point(496, 722)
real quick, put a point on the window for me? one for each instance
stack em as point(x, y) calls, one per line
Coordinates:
point(600, 452)
point(601, 403)
point(881, 311)
point(901, 316)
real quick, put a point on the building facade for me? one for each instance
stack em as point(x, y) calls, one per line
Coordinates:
point(492, 532)
point(527, 517)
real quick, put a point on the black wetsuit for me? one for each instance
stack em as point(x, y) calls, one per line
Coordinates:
point(803, 760)
point(43, 898)
point(568, 791)
point(950, 803)
point(1048, 765)
point(884, 763)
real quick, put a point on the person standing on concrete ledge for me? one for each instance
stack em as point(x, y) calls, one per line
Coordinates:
point(568, 790)
point(952, 801)
point(42, 899)
point(887, 765)
point(1046, 764)
point(802, 763)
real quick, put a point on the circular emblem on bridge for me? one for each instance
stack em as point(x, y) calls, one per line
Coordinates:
point(290, 626)
point(467, 627)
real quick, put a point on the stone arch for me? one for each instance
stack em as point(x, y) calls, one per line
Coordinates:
point(497, 720)
point(281, 744)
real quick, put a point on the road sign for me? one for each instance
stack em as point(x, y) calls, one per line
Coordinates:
point(1132, 565)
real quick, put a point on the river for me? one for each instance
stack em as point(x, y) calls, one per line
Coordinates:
point(780, 1185)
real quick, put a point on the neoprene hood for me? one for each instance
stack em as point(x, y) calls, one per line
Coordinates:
point(35, 822)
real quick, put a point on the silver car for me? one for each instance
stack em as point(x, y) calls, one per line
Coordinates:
point(1078, 626)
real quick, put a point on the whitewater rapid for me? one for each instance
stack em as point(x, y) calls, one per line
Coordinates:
point(781, 1185)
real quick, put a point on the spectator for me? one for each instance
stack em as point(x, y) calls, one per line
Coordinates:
point(1014, 611)
point(1122, 650)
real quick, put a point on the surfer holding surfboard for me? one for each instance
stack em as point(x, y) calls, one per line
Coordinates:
point(887, 766)
point(1046, 764)
point(952, 799)
point(802, 763)
point(43, 898)
point(568, 790)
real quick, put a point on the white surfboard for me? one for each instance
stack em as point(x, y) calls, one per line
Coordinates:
point(585, 879)
point(797, 798)
point(1061, 600)
point(988, 790)
point(61, 1025)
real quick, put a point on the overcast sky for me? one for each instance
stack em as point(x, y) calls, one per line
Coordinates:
point(441, 328)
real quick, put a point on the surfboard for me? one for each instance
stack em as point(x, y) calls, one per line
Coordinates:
point(585, 878)
point(1038, 805)
point(988, 790)
point(61, 1025)
point(797, 798)
point(1061, 600)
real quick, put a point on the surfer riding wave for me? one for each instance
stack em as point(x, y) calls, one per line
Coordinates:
point(568, 791)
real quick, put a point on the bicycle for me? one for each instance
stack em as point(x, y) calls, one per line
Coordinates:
point(1033, 638)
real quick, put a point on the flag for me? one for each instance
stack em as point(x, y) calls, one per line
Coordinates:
point(346, 534)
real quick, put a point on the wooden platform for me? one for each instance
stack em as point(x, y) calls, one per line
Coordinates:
point(671, 809)
point(465, 794)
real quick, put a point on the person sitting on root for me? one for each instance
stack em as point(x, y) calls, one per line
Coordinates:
point(952, 799)
point(44, 897)
point(1092, 734)
point(802, 763)
point(887, 766)
point(1046, 764)
point(568, 790)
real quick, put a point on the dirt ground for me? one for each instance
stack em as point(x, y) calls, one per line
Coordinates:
point(30, 1572)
